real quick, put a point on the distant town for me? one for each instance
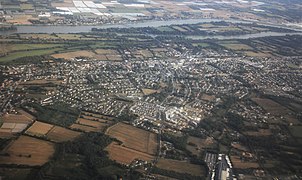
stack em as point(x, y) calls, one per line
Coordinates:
point(78, 12)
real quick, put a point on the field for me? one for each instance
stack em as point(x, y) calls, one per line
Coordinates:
point(238, 164)
point(21, 19)
point(15, 123)
point(109, 54)
point(260, 132)
point(74, 37)
point(204, 45)
point(27, 151)
point(51, 132)
point(271, 106)
point(90, 122)
point(39, 129)
point(136, 144)
point(39, 36)
point(178, 28)
point(61, 37)
point(142, 53)
point(7, 48)
point(74, 54)
point(125, 155)
point(180, 167)
point(207, 97)
point(59, 134)
point(26, 6)
point(83, 128)
point(88, 54)
point(159, 52)
point(98, 116)
point(235, 47)
point(134, 138)
point(21, 116)
point(257, 54)
point(240, 147)
point(8, 129)
point(106, 51)
point(149, 91)
point(16, 55)
point(165, 29)
point(42, 82)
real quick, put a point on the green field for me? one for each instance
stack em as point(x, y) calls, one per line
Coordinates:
point(21, 47)
point(234, 45)
point(16, 55)
point(165, 29)
point(26, 6)
point(201, 45)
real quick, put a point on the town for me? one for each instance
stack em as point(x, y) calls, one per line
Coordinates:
point(151, 107)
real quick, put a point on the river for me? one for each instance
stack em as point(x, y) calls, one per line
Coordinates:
point(84, 29)
point(244, 36)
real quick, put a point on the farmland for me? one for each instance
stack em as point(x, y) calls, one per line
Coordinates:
point(241, 164)
point(271, 106)
point(234, 46)
point(43, 82)
point(135, 144)
point(31, 53)
point(97, 116)
point(39, 129)
point(83, 128)
point(149, 91)
point(126, 155)
point(21, 19)
point(180, 167)
point(90, 122)
point(24, 151)
point(134, 138)
point(9, 129)
point(100, 54)
point(74, 54)
point(21, 116)
point(260, 132)
point(7, 48)
point(51, 132)
point(15, 123)
point(60, 134)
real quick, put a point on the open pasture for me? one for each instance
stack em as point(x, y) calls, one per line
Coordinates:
point(27, 151)
point(60, 134)
point(39, 129)
point(181, 167)
point(126, 155)
point(239, 164)
point(271, 106)
point(134, 138)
